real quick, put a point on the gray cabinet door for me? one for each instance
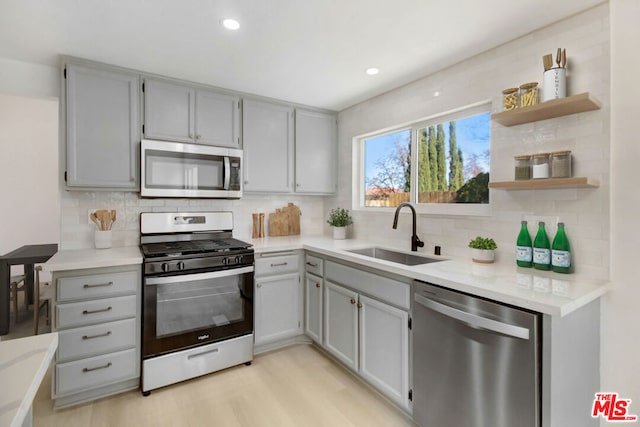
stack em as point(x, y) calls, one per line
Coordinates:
point(168, 111)
point(217, 119)
point(316, 142)
point(102, 128)
point(341, 324)
point(267, 137)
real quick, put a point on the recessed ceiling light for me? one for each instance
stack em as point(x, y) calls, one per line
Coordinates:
point(230, 24)
point(372, 71)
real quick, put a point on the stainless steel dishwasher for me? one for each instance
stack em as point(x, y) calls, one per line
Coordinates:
point(476, 363)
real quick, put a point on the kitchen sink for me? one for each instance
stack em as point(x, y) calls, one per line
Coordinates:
point(394, 256)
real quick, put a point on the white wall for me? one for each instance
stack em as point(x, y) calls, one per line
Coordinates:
point(621, 318)
point(30, 211)
point(585, 211)
point(28, 79)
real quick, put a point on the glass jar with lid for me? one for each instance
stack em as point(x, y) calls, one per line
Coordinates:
point(529, 94)
point(561, 164)
point(510, 99)
point(540, 166)
point(523, 167)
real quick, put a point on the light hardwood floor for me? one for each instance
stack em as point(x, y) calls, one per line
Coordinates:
point(294, 386)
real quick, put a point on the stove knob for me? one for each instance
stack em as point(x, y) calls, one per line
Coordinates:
point(238, 259)
point(164, 267)
point(225, 261)
point(180, 265)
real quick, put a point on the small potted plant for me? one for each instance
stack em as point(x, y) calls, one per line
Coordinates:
point(339, 219)
point(483, 250)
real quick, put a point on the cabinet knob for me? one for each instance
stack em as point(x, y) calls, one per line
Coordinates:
point(190, 136)
point(317, 285)
point(353, 301)
point(297, 184)
point(359, 305)
point(246, 182)
point(198, 136)
point(259, 285)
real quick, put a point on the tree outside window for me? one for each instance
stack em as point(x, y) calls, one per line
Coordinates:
point(452, 163)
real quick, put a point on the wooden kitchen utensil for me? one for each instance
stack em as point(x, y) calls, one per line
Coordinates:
point(547, 61)
point(94, 218)
point(113, 218)
point(563, 61)
point(261, 225)
point(559, 57)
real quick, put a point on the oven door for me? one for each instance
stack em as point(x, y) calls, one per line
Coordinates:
point(188, 310)
point(176, 169)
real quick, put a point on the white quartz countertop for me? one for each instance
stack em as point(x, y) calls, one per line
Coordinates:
point(23, 364)
point(78, 259)
point(542, 291)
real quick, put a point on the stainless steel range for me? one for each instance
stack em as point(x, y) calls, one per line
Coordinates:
point(197, 314)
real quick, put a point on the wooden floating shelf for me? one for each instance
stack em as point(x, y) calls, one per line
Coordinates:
point(548, 110)
point(550, 183)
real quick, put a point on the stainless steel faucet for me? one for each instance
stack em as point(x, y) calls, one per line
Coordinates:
point(415, 241)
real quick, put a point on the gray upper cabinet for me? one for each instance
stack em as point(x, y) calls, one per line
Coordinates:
point(176, 112)
point(102, 127)
point(267, 133)
point(316, 142)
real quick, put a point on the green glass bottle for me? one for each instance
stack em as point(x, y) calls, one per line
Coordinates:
point(561, 251)
point(541, 249)
point(524, 249)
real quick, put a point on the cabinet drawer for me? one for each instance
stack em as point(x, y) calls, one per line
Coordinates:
point(95, 311)
point(266, 265)
point(314, 265)
point(97, 339)
point(96, 371)
point(96, 286)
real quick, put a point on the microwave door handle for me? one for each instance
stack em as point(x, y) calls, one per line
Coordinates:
point(227, 172)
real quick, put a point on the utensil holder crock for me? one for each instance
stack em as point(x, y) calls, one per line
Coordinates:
point(554, 84)
point(102, 239)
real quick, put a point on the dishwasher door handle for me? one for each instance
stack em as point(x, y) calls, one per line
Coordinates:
point(472, 319)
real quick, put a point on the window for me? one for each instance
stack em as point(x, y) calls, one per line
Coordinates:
point(440, 161)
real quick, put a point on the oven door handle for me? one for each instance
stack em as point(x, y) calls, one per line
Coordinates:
point(197, 276)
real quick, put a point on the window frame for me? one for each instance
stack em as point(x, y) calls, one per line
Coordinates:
point(445, 209)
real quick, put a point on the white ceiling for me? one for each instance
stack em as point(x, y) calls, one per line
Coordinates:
point(312, 52)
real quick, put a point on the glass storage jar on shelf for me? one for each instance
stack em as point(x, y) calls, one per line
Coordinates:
point(561, 164)
point(523, 167)
point(510, 99)
point(529, 94)
point(540, 166)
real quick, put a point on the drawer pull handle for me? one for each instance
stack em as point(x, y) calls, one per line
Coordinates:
point(96, 368)
point(317, 285)
point(279, 265)
point(311, 264)
point(97, 285)
point(97, 311)
point(204, 353)
point(90, 337)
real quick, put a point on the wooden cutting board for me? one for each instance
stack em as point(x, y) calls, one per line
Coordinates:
point(285, 221)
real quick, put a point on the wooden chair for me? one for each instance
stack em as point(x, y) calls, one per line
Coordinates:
point(42, 295)
point(16, 284)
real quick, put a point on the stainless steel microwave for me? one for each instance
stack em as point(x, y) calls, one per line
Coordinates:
point(177, 169)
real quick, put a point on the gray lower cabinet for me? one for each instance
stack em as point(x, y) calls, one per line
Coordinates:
point(268, 144)
point(179, 112)
point(277, 296)
point(97, 317)
point(366, 327)
point(101, 127)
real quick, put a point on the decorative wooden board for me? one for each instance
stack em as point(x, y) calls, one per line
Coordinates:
point(285, 221)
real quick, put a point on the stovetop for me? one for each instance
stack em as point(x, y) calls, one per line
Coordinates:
point(212, 246)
